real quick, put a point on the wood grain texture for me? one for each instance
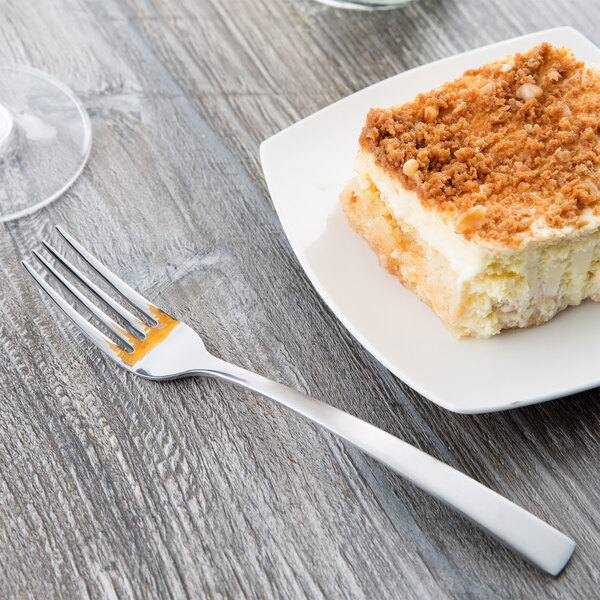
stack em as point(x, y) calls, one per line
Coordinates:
point(115, 487)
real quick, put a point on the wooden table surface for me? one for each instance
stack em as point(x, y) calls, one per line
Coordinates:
point(116, 487)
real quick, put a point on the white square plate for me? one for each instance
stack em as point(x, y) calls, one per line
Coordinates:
point(307, 165)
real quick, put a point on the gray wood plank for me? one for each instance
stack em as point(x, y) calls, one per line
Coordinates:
point(115, 487)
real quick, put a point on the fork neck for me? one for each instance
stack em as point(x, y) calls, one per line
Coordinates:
point(221, 369)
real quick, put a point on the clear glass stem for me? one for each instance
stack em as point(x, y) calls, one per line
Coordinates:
point(7, 125)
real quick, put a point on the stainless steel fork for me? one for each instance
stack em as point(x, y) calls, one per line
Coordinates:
point(168, 349)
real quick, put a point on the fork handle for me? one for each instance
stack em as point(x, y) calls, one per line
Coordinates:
point(532, 538)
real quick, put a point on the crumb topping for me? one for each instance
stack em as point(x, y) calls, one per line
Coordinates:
point(517, 137)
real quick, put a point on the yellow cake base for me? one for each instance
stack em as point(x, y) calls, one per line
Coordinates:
point(502, 296)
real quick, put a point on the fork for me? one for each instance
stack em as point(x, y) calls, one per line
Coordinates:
point(168, 349)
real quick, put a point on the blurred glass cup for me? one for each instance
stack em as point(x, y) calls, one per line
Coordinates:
point(366, 4)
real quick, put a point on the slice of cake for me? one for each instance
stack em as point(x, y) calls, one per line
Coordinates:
point(483, 195)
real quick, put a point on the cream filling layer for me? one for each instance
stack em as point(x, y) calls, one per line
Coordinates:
point(465, 258)
point(549, 263)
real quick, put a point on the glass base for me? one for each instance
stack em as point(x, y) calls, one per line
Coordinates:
point(366, 4)
point(45, 140)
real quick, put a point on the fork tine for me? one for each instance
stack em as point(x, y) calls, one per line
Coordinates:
point(136, 299)
point(121, 310)
point(97, 312)
point(95, 336)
